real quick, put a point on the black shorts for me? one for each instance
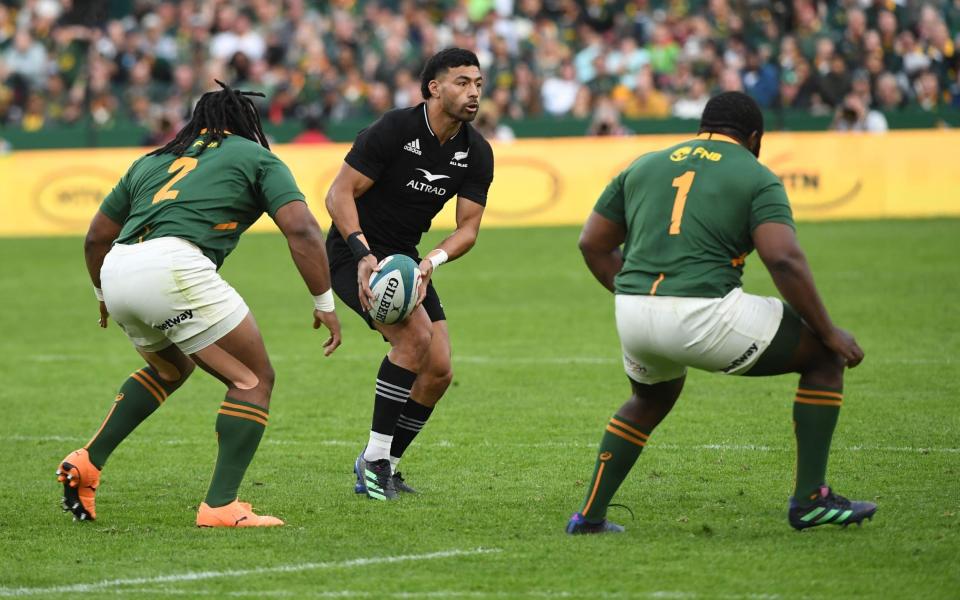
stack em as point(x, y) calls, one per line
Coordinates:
point(344, 280)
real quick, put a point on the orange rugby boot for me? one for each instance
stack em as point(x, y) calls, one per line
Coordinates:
point(235, 514)
point(80, 479)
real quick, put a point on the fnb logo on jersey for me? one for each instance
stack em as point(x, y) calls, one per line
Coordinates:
point(174, 321)
point(699, 152)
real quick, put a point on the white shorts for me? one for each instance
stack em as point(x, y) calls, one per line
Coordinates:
point(166, 291)
point(663, 335)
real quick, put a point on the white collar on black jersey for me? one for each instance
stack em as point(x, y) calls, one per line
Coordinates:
point(430, 129)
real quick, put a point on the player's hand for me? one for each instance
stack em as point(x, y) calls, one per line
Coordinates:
point(332, 323)
point(368, 266)
point(843, 343)
point(104, 314)
point(426, 271)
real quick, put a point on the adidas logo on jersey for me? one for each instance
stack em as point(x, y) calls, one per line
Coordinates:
point(413, 146)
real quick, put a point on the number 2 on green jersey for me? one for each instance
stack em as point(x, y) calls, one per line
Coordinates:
point(682, 183)
point(182, 166)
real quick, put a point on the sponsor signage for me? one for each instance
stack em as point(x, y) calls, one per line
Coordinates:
point(542, 182)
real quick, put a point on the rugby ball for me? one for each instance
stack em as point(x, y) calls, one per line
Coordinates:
point(395, 287)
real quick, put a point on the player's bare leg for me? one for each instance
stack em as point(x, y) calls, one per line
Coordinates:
point(139, 396)
point(238, 359)
point(433, 379)
point(436, 372)
point(624, 438)
point(410, 342)
point(816, 409)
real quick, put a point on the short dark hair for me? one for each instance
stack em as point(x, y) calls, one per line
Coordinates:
point(443, 61)
point(732, 112)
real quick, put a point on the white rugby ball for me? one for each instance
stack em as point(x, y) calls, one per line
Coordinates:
point(395, 287)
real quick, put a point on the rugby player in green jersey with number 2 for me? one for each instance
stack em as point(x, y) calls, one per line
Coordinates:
point(687, 218)
point(153, 251)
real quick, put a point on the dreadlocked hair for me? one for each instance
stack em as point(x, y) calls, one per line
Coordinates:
point(215, 115)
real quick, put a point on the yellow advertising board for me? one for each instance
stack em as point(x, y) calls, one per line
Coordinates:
point(543, 182)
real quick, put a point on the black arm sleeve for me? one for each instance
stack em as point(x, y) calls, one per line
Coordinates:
point(479, 175)
point(374, 147)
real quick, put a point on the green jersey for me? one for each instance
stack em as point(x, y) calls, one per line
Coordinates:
point(689, 212)
point(208, 199)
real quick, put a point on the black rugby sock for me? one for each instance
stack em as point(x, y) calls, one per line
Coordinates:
point(392, 392)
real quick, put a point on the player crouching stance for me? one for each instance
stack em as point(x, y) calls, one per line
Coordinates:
point(171, 221)
point(687, 217)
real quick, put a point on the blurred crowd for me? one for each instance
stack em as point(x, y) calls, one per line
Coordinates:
point(147, 61)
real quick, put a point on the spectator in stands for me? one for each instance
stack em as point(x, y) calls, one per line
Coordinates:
point(760, 79)
point(312, 132)
point(606, 120)
point(560, 91)
point(691, 104)
point(889, 96)
point(854, 115)
point(27, 58)
point(236, 34)
point(644, 100)
point(927, 91)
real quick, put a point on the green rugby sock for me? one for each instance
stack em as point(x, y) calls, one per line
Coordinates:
point(815, 413)
point(240, 426)
point(620, 446)
point(139, 396)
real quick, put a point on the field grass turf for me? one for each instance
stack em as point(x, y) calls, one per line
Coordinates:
point(503, 462)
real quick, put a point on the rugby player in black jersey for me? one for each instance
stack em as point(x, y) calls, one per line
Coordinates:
point(396, 178)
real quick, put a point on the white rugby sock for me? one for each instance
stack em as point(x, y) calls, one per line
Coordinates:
point(394, 461)
point(378, 447)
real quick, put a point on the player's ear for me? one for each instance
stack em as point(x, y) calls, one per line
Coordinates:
point(434, 87)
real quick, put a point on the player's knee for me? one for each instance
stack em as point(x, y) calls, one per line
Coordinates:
point(178, 375)
point(267, 377)
point(826, 369)
point(416, 342)
point(441, 379)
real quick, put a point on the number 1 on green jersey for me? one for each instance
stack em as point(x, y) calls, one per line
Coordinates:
point(682, 183)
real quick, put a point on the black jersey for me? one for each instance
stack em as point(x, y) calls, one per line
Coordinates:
point(413, 176)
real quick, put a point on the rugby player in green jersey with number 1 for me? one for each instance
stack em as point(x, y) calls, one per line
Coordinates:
point(153, 251)
point(687, 218)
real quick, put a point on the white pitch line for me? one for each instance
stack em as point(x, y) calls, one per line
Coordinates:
point(568, 444)
point(204, 575)
point(549, 594)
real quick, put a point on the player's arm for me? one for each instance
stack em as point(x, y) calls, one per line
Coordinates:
point(600, 243)
point(306, 247)
point(348, 185)
point(100, 236)
point(455, 245)
point(777, 245)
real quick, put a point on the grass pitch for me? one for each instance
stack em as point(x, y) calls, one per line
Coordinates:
point(505, 459)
